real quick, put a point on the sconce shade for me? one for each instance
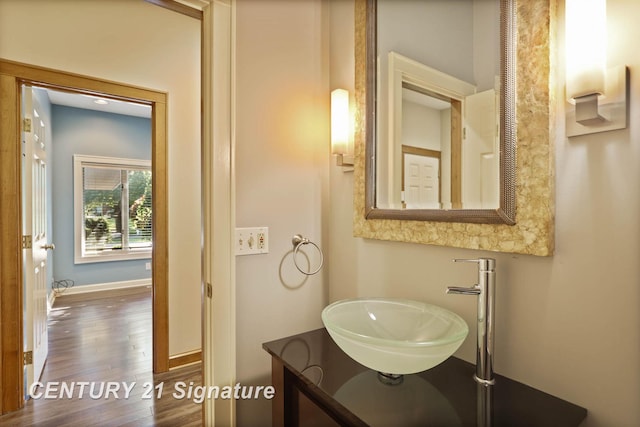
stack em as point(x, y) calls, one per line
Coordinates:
point(339, 121)
point(598, 93)
point(586, 41)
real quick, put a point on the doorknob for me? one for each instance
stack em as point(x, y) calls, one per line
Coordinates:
point(49, 246)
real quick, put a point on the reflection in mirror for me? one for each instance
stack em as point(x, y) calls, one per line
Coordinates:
point(443, 142)
point(426, 154)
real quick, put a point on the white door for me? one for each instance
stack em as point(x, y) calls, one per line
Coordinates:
point(421, 182)
point(35, 243)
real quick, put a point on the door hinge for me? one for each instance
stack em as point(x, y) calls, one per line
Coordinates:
point(209, 290)
point(27, 358)
point(26, 125)
point(27, 242)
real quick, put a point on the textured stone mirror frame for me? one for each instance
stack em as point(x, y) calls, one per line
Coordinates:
point(533, 232)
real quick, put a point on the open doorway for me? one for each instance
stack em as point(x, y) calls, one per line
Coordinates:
point(92, 156)
point(81, 36)
point(12, 77)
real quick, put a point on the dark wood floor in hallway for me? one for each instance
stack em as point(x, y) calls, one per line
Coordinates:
point(103, 339)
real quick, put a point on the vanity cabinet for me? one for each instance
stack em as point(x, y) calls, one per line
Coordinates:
point(317, 384)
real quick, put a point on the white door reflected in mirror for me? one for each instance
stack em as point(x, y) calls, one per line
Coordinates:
point(421, 186)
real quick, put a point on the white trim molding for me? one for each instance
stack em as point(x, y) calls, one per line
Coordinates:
point(82, 289)
point(80, 256)
point(218, 201)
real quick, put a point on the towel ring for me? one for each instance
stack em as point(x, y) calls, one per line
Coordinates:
point(299, 241)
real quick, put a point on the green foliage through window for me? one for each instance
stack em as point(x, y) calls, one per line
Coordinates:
point(117, 212)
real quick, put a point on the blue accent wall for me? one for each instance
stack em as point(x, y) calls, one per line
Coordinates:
point(88, 132)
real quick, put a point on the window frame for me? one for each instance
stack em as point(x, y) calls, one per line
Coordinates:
point(79, 162)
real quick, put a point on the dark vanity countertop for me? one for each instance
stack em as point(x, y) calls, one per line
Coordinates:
point(443, 396)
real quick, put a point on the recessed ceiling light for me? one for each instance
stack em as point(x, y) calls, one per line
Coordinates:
point(101, 101)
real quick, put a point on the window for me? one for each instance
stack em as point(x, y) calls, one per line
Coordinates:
point(113, 209)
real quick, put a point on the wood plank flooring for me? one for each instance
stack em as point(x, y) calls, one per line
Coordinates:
point(104, 338)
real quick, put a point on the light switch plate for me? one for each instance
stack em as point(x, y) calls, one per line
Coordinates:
point(252, 240)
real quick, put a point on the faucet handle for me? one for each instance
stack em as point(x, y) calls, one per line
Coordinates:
point(474, 290)
point(484, 264)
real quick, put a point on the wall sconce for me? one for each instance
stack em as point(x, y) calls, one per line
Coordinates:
point(341, 127)
point(598, 95)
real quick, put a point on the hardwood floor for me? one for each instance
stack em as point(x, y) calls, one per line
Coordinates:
point(101, 341)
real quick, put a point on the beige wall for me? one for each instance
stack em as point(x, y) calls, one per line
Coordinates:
point(281, 175)
point(567, 324)
point(137, 43)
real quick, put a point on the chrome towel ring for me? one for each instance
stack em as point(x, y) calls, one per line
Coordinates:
point(299, 241)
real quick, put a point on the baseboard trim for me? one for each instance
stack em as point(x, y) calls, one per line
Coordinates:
point(185, 359)
point(82, 289)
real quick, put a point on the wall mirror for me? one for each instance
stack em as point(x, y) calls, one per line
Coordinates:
point(441, 87)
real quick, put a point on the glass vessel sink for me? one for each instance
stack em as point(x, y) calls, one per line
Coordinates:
point(394, 336)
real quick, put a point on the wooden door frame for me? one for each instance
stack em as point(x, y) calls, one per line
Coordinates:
point(12, 76)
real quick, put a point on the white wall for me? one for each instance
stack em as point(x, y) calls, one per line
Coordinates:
point(567, 324)
point(421, 126)
point(133, 42)
point(281, 173)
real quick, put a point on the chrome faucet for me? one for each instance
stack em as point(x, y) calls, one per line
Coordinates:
point(485, 290)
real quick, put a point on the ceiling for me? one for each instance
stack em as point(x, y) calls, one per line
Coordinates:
point(88, 102)
point(424, 99)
